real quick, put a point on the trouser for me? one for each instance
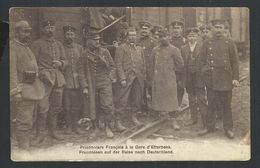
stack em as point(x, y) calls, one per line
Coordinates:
point(180, 94)
point(25, 117)
point(132, 91)
point(224, 99)
point(197, 99)
point(49, 107)
point(72, 103)
point(104, 98)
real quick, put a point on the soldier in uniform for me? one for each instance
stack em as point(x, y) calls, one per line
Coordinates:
point(155, 32)
point(194, 84)
point(72, 96)
point(220, 71)
point(205, 32)
point(147, 42)
point(51, 59)
point(167, 61)
point(130, 66)
point(96, 73)
point(178, 41)
point(25, 87)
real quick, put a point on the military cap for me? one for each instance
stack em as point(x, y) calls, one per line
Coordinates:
point(48, 23)
point(69, 28)
point(215, 22)
point(22, 24)
point(191, 31)
point(145, 24)
point(92, 33)
point(204, 27)
point(178, 22)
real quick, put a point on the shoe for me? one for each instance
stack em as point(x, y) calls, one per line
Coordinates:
point(78, 131)
point(119, 127)
point(175, 124)
point(56, 136)
point(38, 140)
point(109, 132)
point(230, 134)
point(190, 123)
point(135, 120)
point(68, 130)
point(205, 131)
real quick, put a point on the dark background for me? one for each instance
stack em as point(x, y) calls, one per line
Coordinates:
point(254, 60)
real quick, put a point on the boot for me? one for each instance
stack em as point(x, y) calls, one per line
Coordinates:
point(135, 120)
point(75, 127)
point(119, 126)
point(175, 124)
point(40, 130)
point(23, 142)
point(109, 132)
point(95, 129)
point(52, 126)
point(68, 130)
point(68, 122)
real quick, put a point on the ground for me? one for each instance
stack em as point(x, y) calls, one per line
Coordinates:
point(188, 145)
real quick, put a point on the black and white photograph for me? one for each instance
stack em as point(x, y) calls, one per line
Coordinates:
point(129, 84)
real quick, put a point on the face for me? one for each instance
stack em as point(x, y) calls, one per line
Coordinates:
point(93, 43)
point(69, 37)
point(192, 38)
point(205, 33)
point(177, 31)
point(164, 40)
point(23, 34)
point(49, 31)
point(145, 31)
point(218, 30)
point(132, 37)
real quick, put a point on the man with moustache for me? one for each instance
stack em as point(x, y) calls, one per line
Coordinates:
point(96, 72)
point(51, 59)
point(25, 87)
point(178, 41)
point(194, 84)
point(72, 96)
point(220, 71)
point(167, 61)
point(147, 42)
point(130, 64)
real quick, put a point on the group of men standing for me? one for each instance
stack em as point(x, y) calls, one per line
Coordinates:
point(49, 77)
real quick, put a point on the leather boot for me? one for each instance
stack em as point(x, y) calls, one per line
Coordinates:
point(52, 128)
point(95, 131)
point(119, 126)
point(23, 142)
point(109, 132)
point(40, 130)
point(75, 127)
point(68, 122)
point(135, 120)
point(175, 124)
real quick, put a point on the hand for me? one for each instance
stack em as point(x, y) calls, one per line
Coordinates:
point(17, 97)
point(56, 64)
point(123, 83)
point(85, 91)
point(235, 83)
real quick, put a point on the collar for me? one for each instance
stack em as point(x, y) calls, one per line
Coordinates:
point(71, 45)
point(194, 44)
point(52, 39)
point(23, 44)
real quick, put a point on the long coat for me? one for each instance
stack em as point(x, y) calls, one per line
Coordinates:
point(187, 56)
point(22, 60)
point(87, 69)
point(167, 60)
point(219, 63)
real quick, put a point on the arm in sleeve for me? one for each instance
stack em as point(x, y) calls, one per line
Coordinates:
point(203, 57)
point(118, 61)
point(234, 62)
point(36, 47)
point(63, 58)
point(15, 85)
point(111, 64)
point(82, 65)
point(178, 60)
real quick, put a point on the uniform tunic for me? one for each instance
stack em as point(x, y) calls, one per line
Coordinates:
point(22, 60)
point(167, 60)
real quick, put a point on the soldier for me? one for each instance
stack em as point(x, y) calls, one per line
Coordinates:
point(167, 60)
point(178, 41)
point(193, 81)
point(147, 42)
point(205, 32)
point(52, 61)
point(25, 87)
point(72, 96)
point(155, 32)
point(130, 66)
point(220, 70)
point(96, 73)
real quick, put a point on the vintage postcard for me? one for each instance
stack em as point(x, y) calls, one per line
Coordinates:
point(129, 83)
